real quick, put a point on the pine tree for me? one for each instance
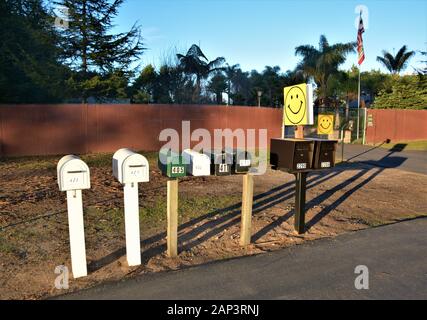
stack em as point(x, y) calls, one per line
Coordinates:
point(92, 51)
point(30, 61)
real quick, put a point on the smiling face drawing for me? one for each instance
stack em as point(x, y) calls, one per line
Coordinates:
point(325, 124)
point(295, 105)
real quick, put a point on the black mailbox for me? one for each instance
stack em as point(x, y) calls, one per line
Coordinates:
point(221, 162)
point(324, 153)
point(292, 155)
point(242, 161)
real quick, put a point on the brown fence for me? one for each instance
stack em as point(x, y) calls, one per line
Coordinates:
point(63, 129)
point(396, 124)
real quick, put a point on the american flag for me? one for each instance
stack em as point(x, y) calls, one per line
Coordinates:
point(361, 53)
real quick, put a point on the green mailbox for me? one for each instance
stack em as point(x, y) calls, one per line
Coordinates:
point(171, 164)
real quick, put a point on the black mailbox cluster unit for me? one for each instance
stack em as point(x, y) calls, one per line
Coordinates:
point(300, 156)
point(292, 155)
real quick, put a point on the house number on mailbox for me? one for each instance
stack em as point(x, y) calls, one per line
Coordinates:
point(223, 167)
point(177, 169)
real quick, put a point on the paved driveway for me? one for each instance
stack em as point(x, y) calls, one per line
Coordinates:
point(325, 269)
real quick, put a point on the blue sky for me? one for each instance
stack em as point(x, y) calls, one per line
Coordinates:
point(257, 33)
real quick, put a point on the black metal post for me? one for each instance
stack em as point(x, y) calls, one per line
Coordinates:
point(300, 188)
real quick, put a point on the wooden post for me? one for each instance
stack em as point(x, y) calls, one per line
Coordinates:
point(247, 198)
point(299, 132)
point(172, 213)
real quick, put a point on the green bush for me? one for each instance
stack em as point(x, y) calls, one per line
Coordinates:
point(408, 92)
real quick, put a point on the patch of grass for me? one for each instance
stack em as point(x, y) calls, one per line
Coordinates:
point(420, 145)
point(191, 207)
point(153, 214)
point(31, 163)
point(6, 246)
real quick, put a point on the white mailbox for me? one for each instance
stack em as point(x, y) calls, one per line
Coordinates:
point(129, 167)
point(73, 174)
point(73, 177)
point(198, 164)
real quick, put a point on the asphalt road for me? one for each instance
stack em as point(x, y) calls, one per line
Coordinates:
point(395, 255)
point(398, 157)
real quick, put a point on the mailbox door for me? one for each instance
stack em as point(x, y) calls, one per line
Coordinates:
point(74, 175)
point(303, 155)
point(282, 154)
point(200, 165)
point(175, 167)
point(222, 169)
point(326, 156)
point(243, 162)
point(221, 164)
point(135, 169)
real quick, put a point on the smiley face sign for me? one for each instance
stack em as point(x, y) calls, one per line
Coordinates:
point(298, 108)
point(325, 123)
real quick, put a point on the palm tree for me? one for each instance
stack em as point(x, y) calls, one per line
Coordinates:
point(196, 63)
point(323, 62)
point(230, 73)
point(398, 62)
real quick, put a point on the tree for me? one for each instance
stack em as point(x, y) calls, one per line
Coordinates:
point(396, 63)
point(422, 71)
point(30, 61)
point(218, 85)
point(144, 86)
point(196, 63)
point(408, 92)
point(230, 72)
point(320, 64)
point(89, 47)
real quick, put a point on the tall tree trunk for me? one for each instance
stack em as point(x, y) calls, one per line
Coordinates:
point(196, 95)
point(84, 49)
point(228, 92)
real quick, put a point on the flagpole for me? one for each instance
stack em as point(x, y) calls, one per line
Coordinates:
point(358, 107)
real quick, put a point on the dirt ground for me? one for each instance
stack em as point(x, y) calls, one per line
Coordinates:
point(34, 228)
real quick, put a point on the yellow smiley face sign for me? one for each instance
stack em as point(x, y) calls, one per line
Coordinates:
point(298, 108)
point(325, 124)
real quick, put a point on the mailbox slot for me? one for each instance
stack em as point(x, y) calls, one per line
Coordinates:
point(324, 153)
point(171, 164)
point(72, 174)
point(292, 155)
point(130, 167)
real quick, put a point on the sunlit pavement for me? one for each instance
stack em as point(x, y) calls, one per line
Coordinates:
point(398, 157)
point(325, 269)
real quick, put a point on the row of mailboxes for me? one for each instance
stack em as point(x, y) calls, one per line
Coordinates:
point(299, 155)
point(219, 163)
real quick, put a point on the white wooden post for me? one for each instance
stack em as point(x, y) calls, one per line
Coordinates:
point(77, 233)
point(133, 244)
